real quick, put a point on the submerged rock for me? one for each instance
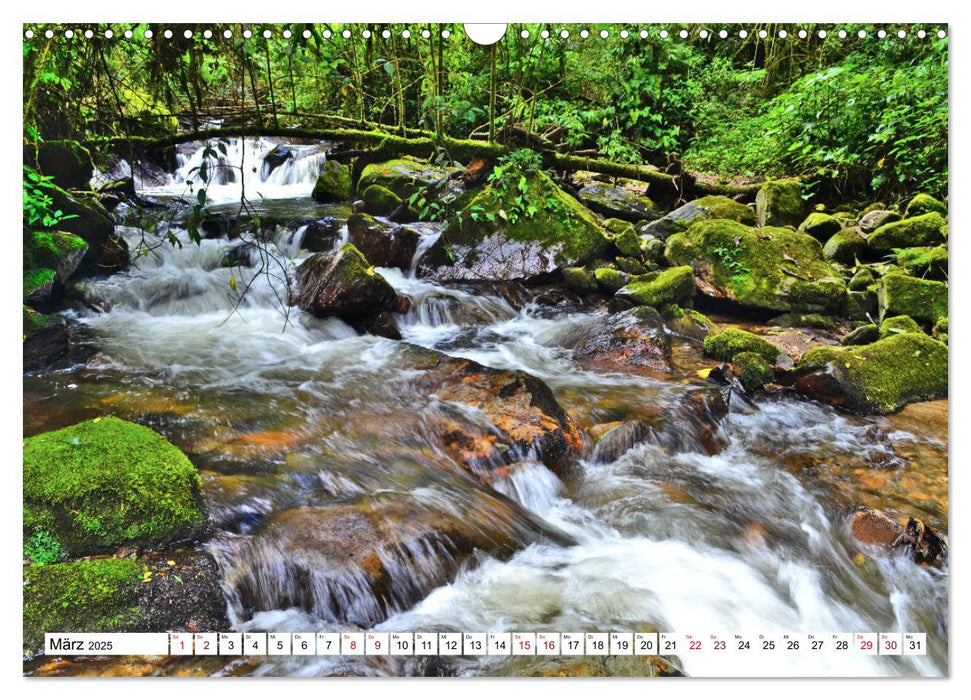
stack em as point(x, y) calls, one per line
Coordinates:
point(878, 378)
point(713, 207)
point(633, 340)
point(770, 268)
point(342, 284)
point(105, 483)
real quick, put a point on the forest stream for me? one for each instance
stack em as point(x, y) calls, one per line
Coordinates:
point(322, 459)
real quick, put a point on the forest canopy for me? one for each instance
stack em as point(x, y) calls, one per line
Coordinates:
point(868, 115)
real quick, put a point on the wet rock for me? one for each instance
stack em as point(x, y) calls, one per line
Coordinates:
point(242, 255)
point(701, 209)
point(770, 268)
point(691, 423)
point(321, 235)
point(617, 202)
point(383, 246)
point(672, 286)
point(864, 335)
point(820, 226)
point(633, 340)
point(902, 295)
point(873, 220)
point(924, 230)
point(342, 284)
point(924, 204)
point(277, 156)
point(579, 280)
point(924, 262)
point(107, 253)
point(780, 203)
point(688, 323)
point(726, 345)
point(846, 246)
point(878, 378)
point(610, 280)
point(333, 183)
point(381, 324)
point(874, 527)
point(52, 342)
point(492, 238)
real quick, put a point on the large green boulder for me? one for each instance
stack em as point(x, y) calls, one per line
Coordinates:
point(89, 221)
point(929, 262)
point(820, 226)
point(520, 227)
point(333, 183)
point(610, 280)
point(342, 284)
point(38, 286)
point(924, 230)
point(902, 295)
point(406, 176)
point(730, 342)
point(770, 268)
point(846, 246)
point(380, 201)
point(924, 204)
point(675, 285)
point(878, 378)
point(712, 207)
point(105, 483)
point(780, 203)
point(60, 251)
point(579, 280)
point(752, 370)
point(68, 162)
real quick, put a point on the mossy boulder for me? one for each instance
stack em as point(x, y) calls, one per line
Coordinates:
point(863, 335)
point(780, 203)
point(106, 253)
point(652, 249)
point(57, 250)
point(846, 246)
point(924, 204)
point(104, 483)
point(38, 286)
point(522, 227)
point(940, 328)
point(632, 266)
point(924, 230)
point(703, 208)
point(68, 162)
point(579, 280)
point(406, 176)
point(770, 268)
point(862, 278)
point(333, 183)
point(688, 323)
point(618, 226)
point(902, 295)
point(342, 284)
point(617, 202)
point(752, 370)
point(83, 596)
point(610, 280)
point(820, 226)
point(730, 342)
point(672, 286)
point(380, 201)
point(628, 243)
point(929, 262)
point(878, 378)
point(898, 324)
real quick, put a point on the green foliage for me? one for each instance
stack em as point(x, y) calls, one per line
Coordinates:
point(39, 211)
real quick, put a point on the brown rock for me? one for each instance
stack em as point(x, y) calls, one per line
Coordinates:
point(874, 527)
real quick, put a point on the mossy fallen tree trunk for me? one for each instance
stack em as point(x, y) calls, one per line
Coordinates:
point(376, 145)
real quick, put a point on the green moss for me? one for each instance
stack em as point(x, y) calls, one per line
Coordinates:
point(404, 176)
point(927, 262)
point(610, 279)
point(878, 378)
point(864, 335)
point(780, 203)
point(861, 279)
point(652, 249)
point(619, 226)
point(898, 324)
point(37, 283)
point(380, 201)
point(631, 266)
point(104, 483)
point(925, 204)
point(820, 226)
point(846, 246)
point(674, 285)
point(818, 321)
point(940, 328)
point(752, 370)
point(579, 280)
point(334, 183)
point(770, 268)
point(924, 230)
point(726, 345)
point(530, 210)
point(84, 596)
point(923, 300)
point(717, 207)
point(628, 243)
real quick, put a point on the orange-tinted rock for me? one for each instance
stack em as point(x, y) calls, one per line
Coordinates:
point(874, 527)
point(633, 340)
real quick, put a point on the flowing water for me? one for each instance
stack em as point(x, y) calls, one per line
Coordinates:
point(307, 434)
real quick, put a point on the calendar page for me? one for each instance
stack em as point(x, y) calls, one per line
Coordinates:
point(507, 350)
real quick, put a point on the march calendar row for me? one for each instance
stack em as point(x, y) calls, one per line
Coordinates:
point(482, 644)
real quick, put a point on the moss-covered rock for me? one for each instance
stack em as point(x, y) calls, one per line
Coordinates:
point(924, 230)
point(520, 227)
point(105, 483)
point(342, 284)
point(610, 280)
point(82, 596)
point(924, 204)
point(579, 280)
point(730, 342)
point(617, 202)
point(57, 250)
point(701, 209)
point(688, 323)
point(333, 183)
point(878, 378)
point(406, 176)
point(860, 306)
point(632, 266)
point(68, 162)
point(652, 249)
point(752, 370)
point(672, 286)
point(929, 262)
point(818, 321)
point(38, 285)
point(618, 226)
point(846, 246)
point(902, 295)
point(380, 201)
point(382, 245)
point(898, 324)
point(770, 268)
point(107, 253)
point(863, 335)
point(780, 203)
point(820, 226)
point(628, 243)
point(940, 328)
point(862, 278)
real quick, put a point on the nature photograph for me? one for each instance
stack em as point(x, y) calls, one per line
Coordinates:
point(598, 329)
